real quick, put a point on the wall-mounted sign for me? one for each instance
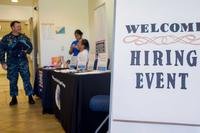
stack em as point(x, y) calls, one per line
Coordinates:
point(60, 30)
point(100, 46)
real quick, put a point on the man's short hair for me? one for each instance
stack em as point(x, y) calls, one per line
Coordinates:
point(14, 22)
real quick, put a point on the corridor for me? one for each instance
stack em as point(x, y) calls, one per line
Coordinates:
point(24, 118)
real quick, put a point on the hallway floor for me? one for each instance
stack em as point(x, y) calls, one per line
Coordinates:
point(24, 118)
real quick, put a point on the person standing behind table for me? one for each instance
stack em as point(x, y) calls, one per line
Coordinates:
point(16, 46)
point(73, 49)
point(83, 56)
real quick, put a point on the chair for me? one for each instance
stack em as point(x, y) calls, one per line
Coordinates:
point(108, 64)
point(96, 64)
point(100, 103)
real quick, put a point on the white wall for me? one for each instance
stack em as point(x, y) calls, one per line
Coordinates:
point(109, 4)
point(10, 12)
point(73, 14)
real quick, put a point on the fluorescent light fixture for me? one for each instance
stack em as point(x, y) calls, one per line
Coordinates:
point(15, 1)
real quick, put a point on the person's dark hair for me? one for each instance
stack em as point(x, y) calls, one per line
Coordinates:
point(79, 32)
point(85, 43)
point(13, 23)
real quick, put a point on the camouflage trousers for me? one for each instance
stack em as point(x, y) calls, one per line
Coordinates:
point(13, 71)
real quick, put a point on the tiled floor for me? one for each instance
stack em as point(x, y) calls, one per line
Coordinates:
point(24, 118)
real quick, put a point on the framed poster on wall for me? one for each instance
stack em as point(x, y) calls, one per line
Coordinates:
point(100, 47)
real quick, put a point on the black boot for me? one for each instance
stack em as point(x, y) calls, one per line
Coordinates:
point(30, 100)
point(13, 101)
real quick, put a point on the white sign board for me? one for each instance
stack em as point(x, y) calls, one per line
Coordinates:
point(156, 67)
point(91, 61)
point(102, 61)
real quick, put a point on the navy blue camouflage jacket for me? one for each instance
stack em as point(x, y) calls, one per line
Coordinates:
point(15, 47)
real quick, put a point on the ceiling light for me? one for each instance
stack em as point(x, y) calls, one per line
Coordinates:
point(15, 1)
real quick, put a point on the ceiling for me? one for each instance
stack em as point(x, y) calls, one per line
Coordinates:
point(20, 3)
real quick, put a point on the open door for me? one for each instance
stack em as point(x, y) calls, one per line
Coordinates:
point(32, 56)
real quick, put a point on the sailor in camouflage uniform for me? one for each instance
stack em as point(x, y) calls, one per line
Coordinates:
point(13, 50)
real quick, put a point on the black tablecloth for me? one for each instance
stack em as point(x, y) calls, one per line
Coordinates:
point(45, 90)
point(75, 94)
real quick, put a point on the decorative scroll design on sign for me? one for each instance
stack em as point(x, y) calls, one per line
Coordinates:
point(162, 40)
